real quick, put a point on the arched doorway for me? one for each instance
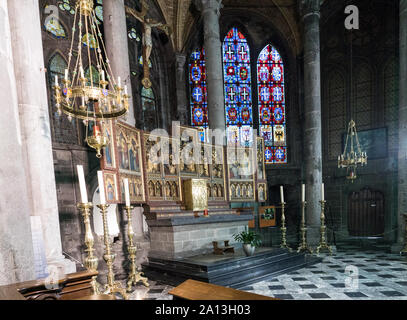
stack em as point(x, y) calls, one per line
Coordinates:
point(366, 213)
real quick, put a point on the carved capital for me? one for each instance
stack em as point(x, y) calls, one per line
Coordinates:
point(180, 60)
point(310, 7)
point(209, 5)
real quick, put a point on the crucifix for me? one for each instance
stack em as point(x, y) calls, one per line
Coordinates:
point(148, 24)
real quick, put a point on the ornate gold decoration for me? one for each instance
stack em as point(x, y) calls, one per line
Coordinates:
point(283, 229)
point(135, 276)
point(350, 160)
point(196, 194)
point(323, 243)
point(94, 99)
point(111, 286)
point(91, 262)
point(303, 246)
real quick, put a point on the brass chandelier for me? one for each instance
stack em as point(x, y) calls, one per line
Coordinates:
point(354, 157)
point(99, 97)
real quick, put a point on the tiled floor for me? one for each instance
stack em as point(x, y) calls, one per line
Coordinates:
point(347, 275)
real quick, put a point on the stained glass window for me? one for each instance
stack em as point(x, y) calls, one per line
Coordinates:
point(99, 11)
point(92, 41)
point(65, 5)
point(271, 97)
point(237, 86)
point(148, 104)
point(54, 27)
point(140, 61)
point(197, 87)
point(95, 75)
point(133, 34)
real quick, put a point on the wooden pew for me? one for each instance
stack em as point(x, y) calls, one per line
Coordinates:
point(196, 290)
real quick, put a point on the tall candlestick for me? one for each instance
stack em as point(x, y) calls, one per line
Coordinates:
point(322, 192)
point(282, 194)
point(82, 185)
point(126, 191)
point(101, 188)
point(303, 193)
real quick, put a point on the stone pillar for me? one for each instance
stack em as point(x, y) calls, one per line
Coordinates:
point(213, 61)
point(182, 102)
point(16, 250)
point(312, 113)
point(115, 35)
point(25, 27)
point(402, 154)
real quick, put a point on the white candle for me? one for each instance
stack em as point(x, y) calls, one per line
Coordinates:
point(118, 81)
point(56, 81)
point(282, 194)
point(322, 192)
point(82, 185)
point(125, 89)
point(126, 191)
point(66, 74)
point(103, 75)
point(101, 188)
point(82, 74)
point(83, 101)
point(303, 193)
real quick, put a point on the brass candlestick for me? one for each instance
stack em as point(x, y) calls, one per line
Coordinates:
point(323, 244)
point(135, 276)
point(91, 262)
point(283, 229)
point(303, 246)
point(111, 286)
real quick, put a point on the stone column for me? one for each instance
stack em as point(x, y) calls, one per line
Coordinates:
point(182, 102)
point(16, 250)
point(213, 61)
point(115, 35)
point(25, 26)
point(312, 113)
point(402, 154)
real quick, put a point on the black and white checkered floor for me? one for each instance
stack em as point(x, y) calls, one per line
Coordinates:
point(350, 274)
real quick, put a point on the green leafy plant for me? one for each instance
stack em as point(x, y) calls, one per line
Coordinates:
point(248, 237)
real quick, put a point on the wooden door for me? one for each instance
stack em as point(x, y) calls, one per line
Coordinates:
point(366, 213)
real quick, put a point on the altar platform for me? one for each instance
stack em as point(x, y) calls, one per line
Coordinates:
point(234, 270)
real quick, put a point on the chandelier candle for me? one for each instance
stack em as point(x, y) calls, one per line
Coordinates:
point(82, 185)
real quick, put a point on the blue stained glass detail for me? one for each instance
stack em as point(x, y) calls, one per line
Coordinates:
point(237, 88)
point(271, 95)
point(198, 96)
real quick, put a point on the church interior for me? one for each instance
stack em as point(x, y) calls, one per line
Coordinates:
point(203, 149)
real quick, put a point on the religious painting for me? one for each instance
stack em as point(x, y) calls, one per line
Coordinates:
point(136, 188)
point(123, 150)
point(134, 154)
point(241, 191)
point(155, 189)
point(267, 216)
point(111, 188)
point(261, 174)
point(109, 161)
point(217, 163)
point(204, 161)
point(261, 192)
point(172, 189)
point(153, 158)
point(189, 150)
point(170, 157)
point(240, 163)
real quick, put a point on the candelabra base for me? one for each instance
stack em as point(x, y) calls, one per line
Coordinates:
point(116, 287)
point(95, 286)
point(134, 278)
point(324, 246)
point(304, 248)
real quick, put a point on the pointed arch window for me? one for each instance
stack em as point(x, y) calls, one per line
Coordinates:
point(237, 89)
point(197, 87)
point(64, 130)
point(271, 103)
point(54, 27)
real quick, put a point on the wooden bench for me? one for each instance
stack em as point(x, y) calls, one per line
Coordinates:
point(196, 290)
point(221, 250)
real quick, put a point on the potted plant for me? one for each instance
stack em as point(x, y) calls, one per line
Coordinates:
point(249, 239)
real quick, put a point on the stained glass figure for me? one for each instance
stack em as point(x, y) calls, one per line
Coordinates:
point(197, 86)
point(54, 27)
point(271, 102)
point(237, 86)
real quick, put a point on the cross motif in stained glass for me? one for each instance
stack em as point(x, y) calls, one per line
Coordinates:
point(272, 119)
